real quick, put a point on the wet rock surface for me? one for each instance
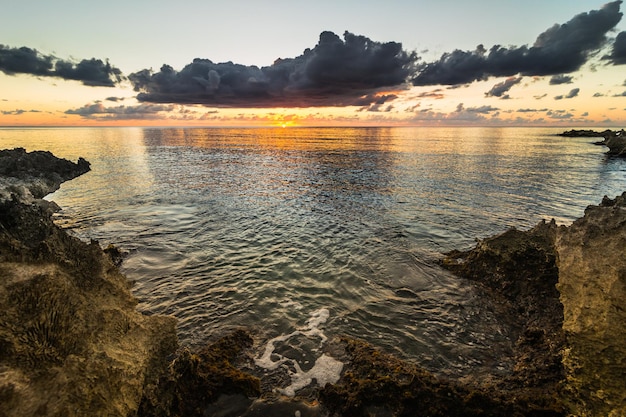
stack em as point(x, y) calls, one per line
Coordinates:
point(195, 381)
point(378, 384)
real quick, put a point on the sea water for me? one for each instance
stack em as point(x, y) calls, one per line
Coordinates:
point(304, 234)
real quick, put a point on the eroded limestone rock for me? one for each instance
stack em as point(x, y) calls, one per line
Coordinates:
point(592, 283)
point(71, 341)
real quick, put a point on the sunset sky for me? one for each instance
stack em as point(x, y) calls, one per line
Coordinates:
point(283, 63)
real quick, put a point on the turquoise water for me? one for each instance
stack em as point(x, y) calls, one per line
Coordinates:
point(265, 228)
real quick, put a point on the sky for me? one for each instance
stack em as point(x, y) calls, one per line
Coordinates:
point(322, 63)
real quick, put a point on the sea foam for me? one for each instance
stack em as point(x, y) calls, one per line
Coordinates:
point(326, 368)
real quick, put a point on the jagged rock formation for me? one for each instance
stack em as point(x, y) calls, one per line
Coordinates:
point(71, 341)
point(29, 175)
point(377, 384)
point(519, 270)
point(592, 283)
point(566, 285)
point(195, 380)
point(614, 140)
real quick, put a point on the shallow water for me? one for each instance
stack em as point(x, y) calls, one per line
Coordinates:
point(263, 228)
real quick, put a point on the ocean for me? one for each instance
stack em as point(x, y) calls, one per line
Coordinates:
point(304, 234)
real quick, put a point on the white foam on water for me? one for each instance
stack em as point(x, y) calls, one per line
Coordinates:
point(326, 368)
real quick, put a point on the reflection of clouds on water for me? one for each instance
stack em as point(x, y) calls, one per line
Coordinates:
point(326, 369)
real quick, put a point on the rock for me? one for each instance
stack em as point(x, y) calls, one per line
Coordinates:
point(519, 269)
point(195, 380)
point(583, 133)
point(566, 287)
point(35, 174)
point(614, 140)
point(378, 384)
point(71, 340)
point(592, 284)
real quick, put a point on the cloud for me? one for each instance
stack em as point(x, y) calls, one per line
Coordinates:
point(618, 53)
point(531, 110)
point(142, 111)
point(560, 79)
point(500, 89)
point(92, 72)
point(622, 94)
point(540, 96)
point(353, 71)
point(18, 112)
point(598, 95)
point(573, 93)
point(560, 49)
point(435, 94)
point(461, 115)
point(559, 114)
point(480, 109)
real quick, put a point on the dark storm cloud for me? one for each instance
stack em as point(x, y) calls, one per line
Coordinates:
point(573, 93)
point(500, 89)
point(336, 72)
point(560, 49)
point(561, 79)
point(92, 72)
point(618, 54)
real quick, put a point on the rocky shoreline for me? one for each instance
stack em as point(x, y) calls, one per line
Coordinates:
point(73, 344)
point(615, 140)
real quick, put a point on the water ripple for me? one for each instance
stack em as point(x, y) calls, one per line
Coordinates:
point(260, 228)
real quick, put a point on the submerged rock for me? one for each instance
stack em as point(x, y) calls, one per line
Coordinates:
point(592, 284)
point(71, 340)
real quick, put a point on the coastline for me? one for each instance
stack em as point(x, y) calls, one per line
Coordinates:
point(76, 345)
